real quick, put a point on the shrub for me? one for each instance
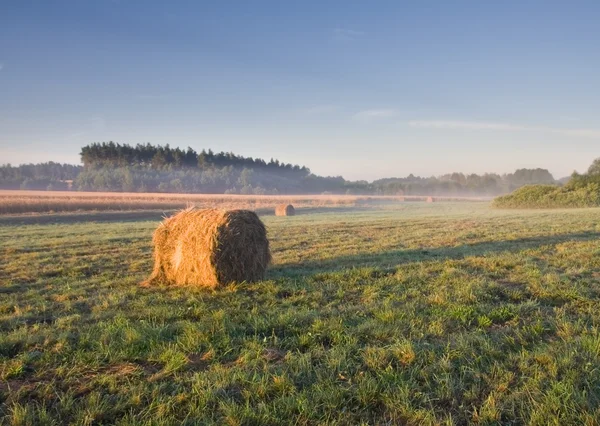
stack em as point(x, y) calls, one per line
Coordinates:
point(574, 194)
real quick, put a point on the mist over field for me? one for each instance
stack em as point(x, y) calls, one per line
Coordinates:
point(149, 168)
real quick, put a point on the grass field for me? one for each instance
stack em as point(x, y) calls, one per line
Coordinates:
point(445, 313)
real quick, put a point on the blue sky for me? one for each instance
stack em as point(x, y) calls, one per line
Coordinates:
point(353, 88)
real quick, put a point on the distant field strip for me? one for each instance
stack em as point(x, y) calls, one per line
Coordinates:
point(20, 202)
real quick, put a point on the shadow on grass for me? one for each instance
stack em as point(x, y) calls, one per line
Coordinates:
point(398, 257)
point(77, 217)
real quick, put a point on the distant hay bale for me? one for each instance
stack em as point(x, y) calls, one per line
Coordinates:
point(285, 210)
point(209, 247)
point(430, 200)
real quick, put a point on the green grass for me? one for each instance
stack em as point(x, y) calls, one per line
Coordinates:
point(417, 314)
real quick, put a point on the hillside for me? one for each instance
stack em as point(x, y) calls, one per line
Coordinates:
point(580, 191)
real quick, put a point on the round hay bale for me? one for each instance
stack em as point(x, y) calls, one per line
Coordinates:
point(209, 247)
point(285, 210)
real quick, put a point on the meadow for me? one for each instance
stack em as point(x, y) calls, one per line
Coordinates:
point(407, 313)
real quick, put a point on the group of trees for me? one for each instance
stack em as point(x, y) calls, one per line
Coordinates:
point(51, 176)
point(110, 154)
point(461, 184)
point(147, 168)
point(226, 180)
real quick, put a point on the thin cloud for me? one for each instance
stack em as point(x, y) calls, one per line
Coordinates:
point(569, 118)
point(146, 97)
point(98, 123)
point(91, 126)
point(484, 125)
point(321, 109)
point(584, 133)
point(371, 114)
point(78, 134)
point(345, 34)
point(464, 125)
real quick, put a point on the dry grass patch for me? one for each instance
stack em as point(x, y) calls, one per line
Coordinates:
point(20, 202)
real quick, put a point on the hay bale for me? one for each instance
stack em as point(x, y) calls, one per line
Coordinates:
point(209, 247)
point(285, 210)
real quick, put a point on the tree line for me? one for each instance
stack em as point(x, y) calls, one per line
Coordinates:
point(45, 176)
point(110, 154)
point(111, 166)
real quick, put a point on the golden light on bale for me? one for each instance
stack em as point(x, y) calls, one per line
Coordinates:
point(285, 210)
point(209, 247)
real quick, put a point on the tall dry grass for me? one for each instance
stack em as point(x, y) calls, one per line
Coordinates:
point(22, 202)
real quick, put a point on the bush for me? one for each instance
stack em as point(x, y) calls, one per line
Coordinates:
point(574, 194)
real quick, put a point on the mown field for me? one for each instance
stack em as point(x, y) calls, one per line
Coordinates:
point(444, 313)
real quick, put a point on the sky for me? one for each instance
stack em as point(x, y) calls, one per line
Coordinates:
point(360, 89)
